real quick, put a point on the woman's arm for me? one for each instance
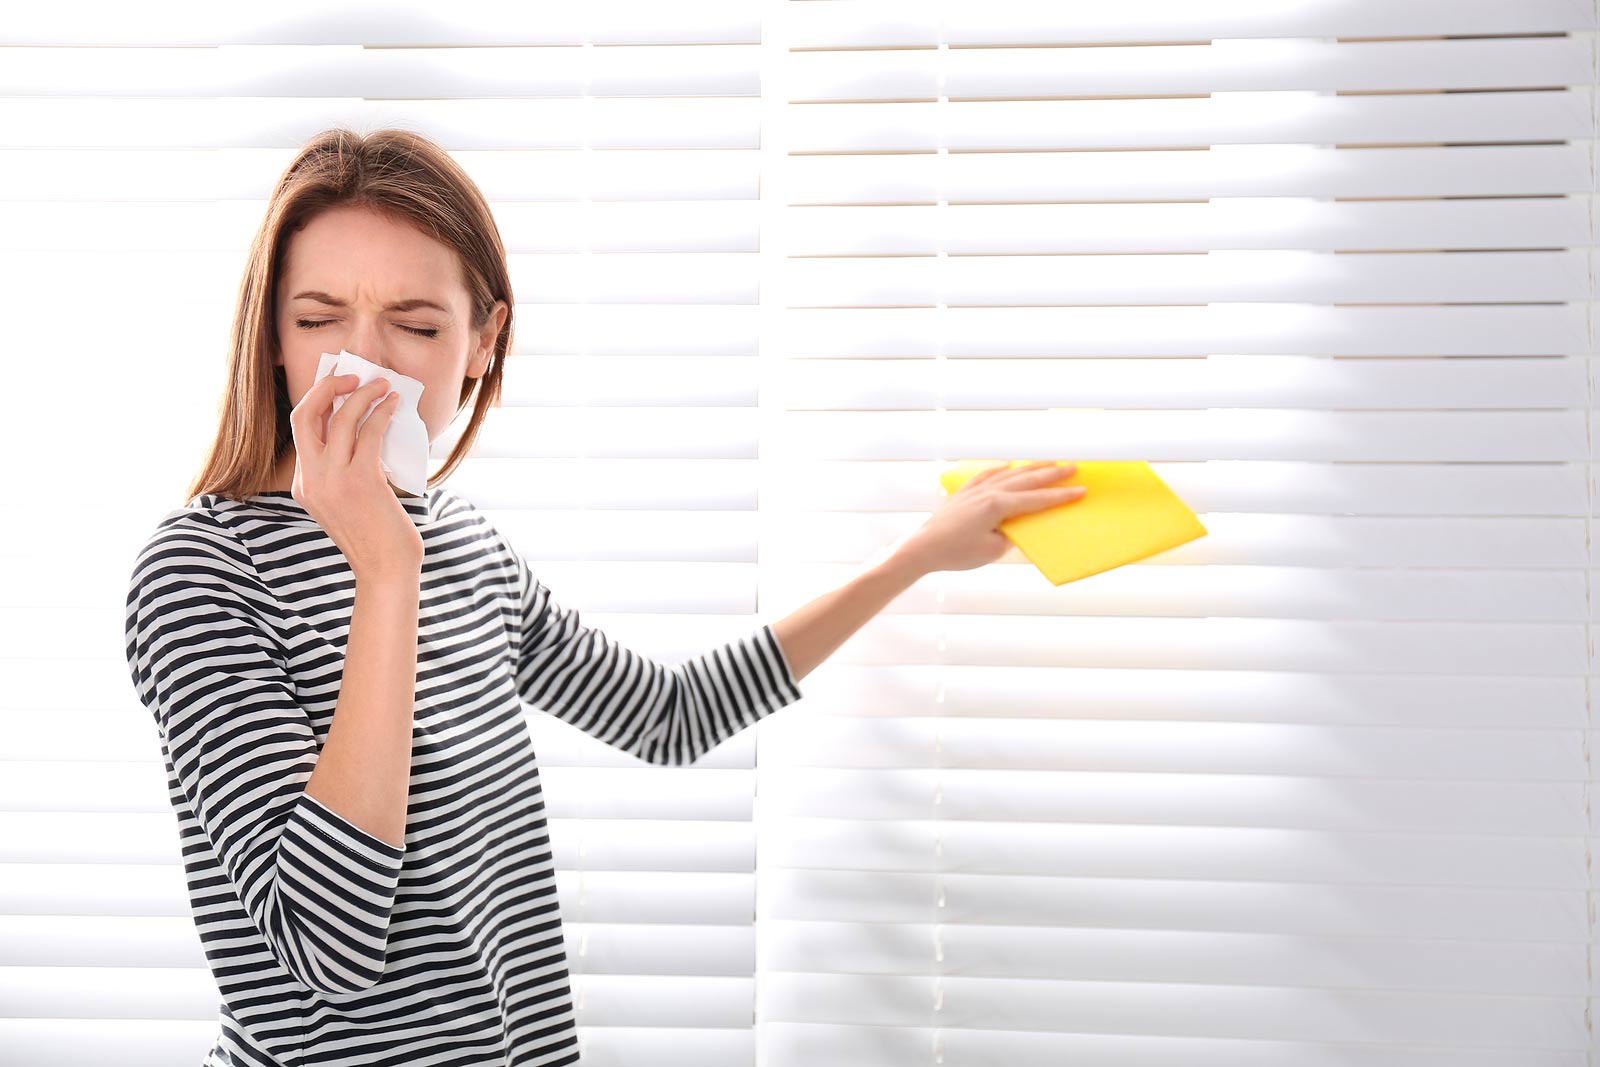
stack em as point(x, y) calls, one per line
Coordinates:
point(364, 771)
point(668, 715)
point(814, 631)
point(205, 657)
point(963, 533)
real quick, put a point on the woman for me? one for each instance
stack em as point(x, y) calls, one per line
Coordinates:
point(337, 672)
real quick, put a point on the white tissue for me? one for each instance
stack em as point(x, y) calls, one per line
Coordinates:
point(404, 451)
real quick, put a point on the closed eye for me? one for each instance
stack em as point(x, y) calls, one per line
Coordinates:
point(309, 324)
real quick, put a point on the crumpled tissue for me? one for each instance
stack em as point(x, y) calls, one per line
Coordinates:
point(403, 453)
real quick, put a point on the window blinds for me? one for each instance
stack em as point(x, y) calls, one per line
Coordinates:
point(1314, 789)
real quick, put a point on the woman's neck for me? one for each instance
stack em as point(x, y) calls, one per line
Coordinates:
point(283, 474)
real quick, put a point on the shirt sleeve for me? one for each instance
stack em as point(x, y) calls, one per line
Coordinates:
point(206, 661)
point(669, 715)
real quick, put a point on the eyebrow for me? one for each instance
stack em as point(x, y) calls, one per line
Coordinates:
point(399, 305)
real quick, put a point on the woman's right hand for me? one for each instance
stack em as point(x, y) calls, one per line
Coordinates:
point(339, 481)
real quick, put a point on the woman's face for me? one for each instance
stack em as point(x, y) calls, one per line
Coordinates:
point(341, 274)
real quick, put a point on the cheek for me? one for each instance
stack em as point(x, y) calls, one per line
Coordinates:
point(299, 375)
point(437, 407)
point(300, 358)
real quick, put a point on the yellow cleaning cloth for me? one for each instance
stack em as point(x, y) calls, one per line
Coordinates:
point(1128, 514)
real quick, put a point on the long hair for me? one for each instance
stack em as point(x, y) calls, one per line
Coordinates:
point(407, 177)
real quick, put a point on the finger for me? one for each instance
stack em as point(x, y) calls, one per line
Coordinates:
point(987, 472)
point(342, 427)
point(1040, 499)
point(370, 439)
point(1051, 472)
point(1039, 468)
point(308, 419)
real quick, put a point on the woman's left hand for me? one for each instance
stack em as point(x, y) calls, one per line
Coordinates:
point(964, 532)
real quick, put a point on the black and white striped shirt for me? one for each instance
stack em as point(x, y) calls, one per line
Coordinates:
point(330, 945)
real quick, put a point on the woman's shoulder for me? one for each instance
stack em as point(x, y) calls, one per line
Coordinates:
point(191, 550)
point(194, 593)
point(497, 549)
point(196, 528)
point(456, 505)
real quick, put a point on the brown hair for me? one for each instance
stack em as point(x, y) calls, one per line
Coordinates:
point(403, 175)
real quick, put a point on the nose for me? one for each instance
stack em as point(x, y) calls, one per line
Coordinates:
point(365, 339)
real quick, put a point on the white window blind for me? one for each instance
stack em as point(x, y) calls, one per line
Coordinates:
point(1313, 789)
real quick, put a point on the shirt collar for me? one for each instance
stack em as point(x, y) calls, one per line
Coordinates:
point(282, 504)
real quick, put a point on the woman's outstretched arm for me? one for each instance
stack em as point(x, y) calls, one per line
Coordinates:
point(670, 715)
point(815, 630)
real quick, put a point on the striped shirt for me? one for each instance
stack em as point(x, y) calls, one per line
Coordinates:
point(328, 944)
